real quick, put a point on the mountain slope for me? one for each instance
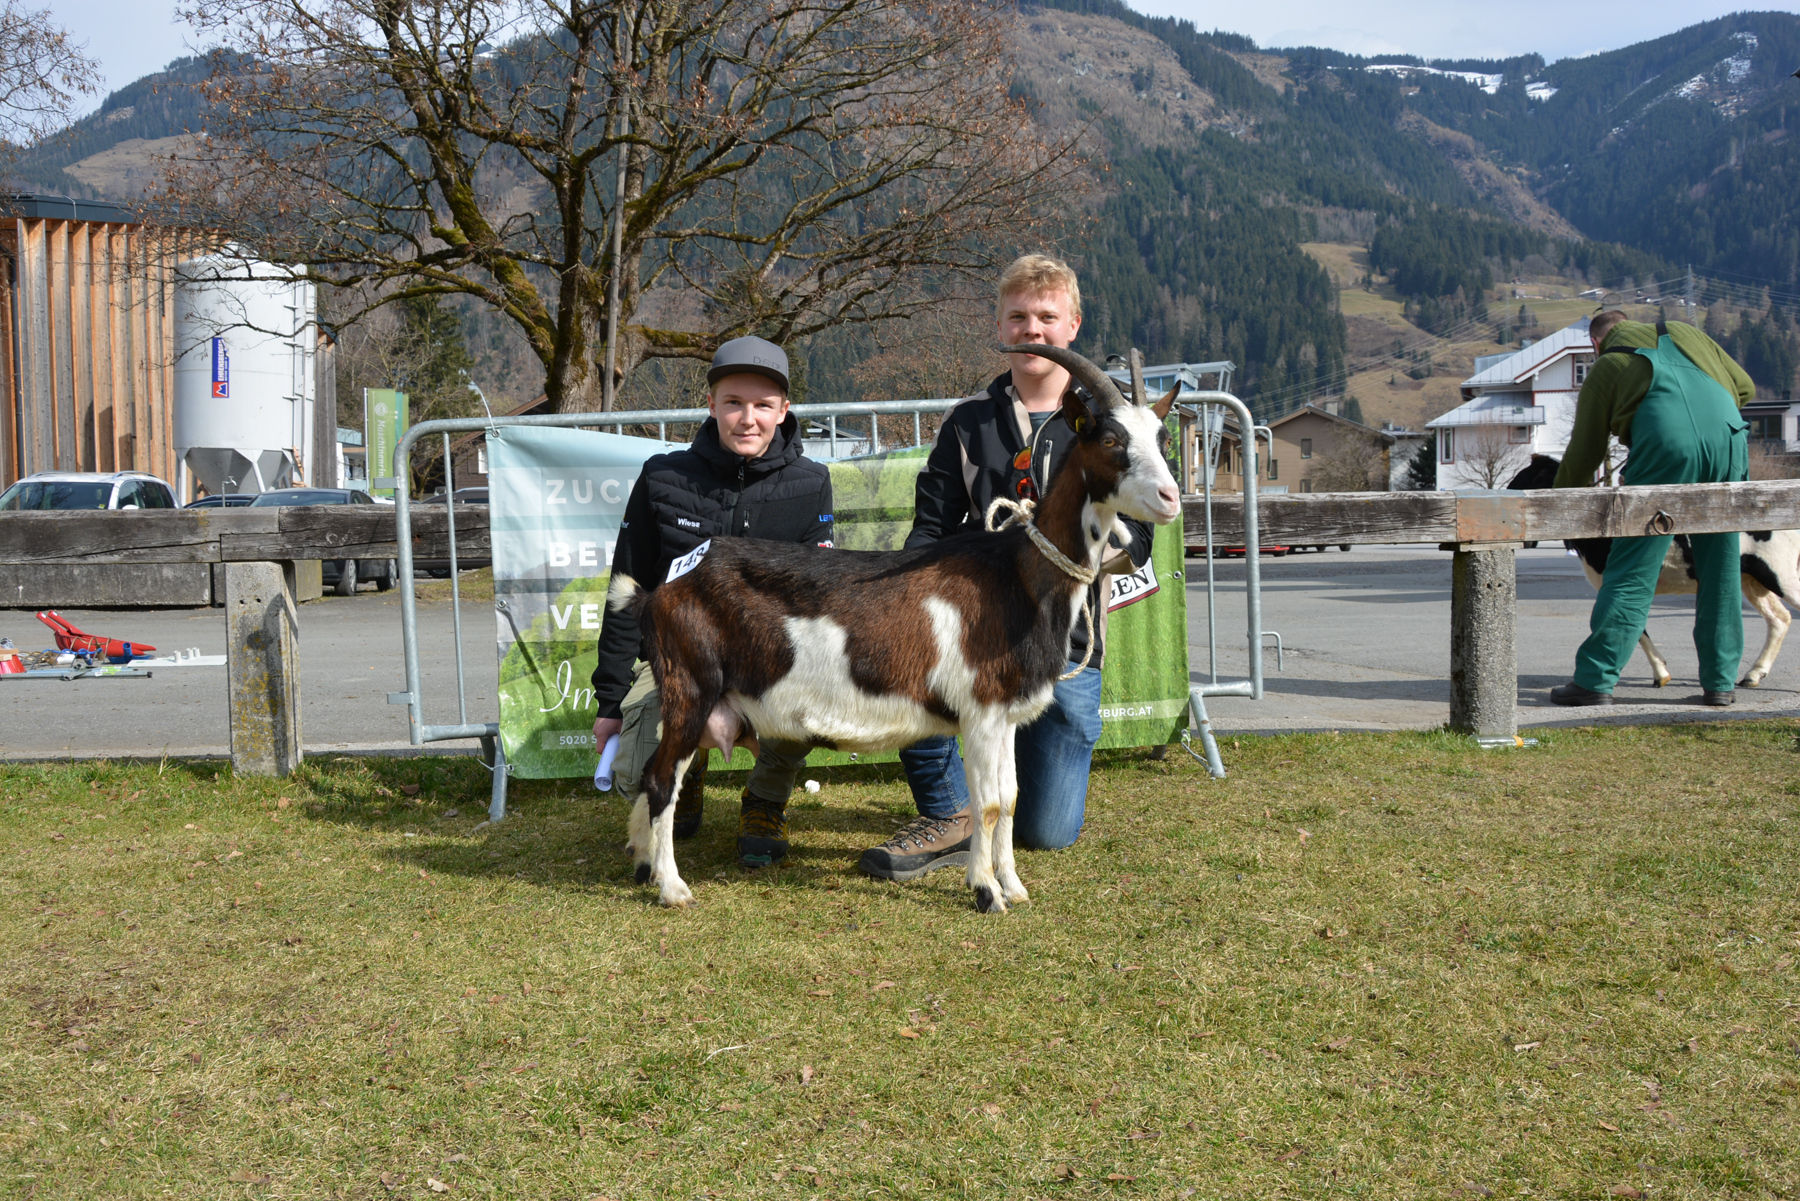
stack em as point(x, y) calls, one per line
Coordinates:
point(1228, 169)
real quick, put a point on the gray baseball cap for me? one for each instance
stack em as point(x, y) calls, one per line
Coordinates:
point(756, 355)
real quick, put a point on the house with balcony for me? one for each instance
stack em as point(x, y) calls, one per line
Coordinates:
point(1308, 450)
point(1516, 405)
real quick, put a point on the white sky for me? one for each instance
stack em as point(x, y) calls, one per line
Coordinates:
point(133, 38)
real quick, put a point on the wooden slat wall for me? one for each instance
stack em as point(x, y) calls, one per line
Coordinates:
point(87, 369)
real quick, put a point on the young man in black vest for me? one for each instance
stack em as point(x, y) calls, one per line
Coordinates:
point(745, 475)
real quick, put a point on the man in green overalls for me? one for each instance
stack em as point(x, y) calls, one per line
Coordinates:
point(1672, 395)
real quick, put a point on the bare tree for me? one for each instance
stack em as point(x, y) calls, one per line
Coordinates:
point(42, 72)
point(766, 166)
point(1352, 463)
point(1488, 455)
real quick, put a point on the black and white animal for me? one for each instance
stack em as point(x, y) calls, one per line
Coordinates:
point(874, 650)
point(1770, 561)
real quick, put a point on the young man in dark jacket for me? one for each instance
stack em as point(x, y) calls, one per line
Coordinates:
point(745, 475)
point(1008, 442)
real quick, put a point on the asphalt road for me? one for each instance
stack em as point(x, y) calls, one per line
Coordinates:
point(1365, 644)
point(1364, 637)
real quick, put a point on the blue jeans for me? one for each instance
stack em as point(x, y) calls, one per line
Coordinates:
point(1053, 755)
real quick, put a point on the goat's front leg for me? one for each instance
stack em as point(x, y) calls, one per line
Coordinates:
point(1011, 887)
point(1659, 667)
point(985, 746)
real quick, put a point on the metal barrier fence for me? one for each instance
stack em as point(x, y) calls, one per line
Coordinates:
point(421, 731)
point(1203, 408)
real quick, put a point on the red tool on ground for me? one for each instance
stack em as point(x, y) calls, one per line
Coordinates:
point(68, 638)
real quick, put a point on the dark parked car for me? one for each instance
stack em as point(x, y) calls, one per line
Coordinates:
point(226, 500)
point(340, 575)
point(441, 567)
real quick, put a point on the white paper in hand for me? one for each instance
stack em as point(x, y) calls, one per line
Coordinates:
point(603, 776)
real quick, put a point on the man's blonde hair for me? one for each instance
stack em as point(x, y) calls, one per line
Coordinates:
point(1603, 324)
point(1037, 274)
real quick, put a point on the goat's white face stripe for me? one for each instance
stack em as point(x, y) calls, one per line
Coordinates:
point(1142, 492)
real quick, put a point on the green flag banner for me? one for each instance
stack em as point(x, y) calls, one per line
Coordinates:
point(384, 424)
point(556, 499)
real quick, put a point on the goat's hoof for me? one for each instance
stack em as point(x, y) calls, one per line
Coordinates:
point(988, 901)
point(676, 896)
point(1015, 894)
point(1751, 681)
point(1658, 683)
point(642, 874)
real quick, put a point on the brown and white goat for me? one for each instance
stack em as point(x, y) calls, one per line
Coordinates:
point(874, 650)
point(1769, 559)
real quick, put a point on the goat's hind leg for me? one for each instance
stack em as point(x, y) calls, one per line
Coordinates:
point(653, 830)
point(1775, 615)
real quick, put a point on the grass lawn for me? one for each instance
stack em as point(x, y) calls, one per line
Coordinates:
point(1387, 966)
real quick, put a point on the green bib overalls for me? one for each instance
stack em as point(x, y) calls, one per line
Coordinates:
point(1686, 431)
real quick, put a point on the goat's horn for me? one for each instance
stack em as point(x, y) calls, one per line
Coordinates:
point(1100, 385)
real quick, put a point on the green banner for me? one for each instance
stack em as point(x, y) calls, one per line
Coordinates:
point(556, 499)
point(384, 424)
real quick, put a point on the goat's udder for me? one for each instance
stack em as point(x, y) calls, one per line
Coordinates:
point(725, 729)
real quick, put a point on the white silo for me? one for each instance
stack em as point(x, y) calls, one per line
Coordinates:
point(246, 344)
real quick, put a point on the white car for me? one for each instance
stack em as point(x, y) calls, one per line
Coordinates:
point(64, 491)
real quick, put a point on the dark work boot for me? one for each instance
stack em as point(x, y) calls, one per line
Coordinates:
point(1574, 694)
point(923, 845)
point(762, 832)
point(691, 800)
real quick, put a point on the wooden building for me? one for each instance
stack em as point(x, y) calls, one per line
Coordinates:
point(87, 338)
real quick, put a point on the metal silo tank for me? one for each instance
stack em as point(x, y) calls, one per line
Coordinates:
point(246, 335)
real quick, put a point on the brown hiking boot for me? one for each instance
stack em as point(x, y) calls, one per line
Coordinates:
point(762, 832)
point(923, 845)
point(691, 800)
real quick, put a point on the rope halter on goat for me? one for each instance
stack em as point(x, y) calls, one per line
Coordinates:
point(1020, 513)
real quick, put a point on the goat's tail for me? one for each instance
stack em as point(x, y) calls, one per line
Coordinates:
point(624, 594)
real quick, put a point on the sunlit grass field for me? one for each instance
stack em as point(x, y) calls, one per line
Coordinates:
point(1376, 965)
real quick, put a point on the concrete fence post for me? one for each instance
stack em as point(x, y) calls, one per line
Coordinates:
point(263, 666)
point(1484, 661)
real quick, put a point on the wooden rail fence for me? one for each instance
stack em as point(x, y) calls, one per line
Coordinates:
point(1483, 529)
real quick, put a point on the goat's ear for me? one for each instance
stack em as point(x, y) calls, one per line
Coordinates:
point(1077, 411)
point(1161, 407)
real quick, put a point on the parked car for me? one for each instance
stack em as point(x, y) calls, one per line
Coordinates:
point(340, 575)
point(226, 500)
point(441, 567)
point(74, 491)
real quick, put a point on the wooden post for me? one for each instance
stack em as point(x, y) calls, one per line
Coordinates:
point(263, 666)
point(1484, 661)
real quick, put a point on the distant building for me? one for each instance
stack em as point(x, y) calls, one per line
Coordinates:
point(1309, 450)
point(1515, 405)
point(87, 340)
point(90, 346)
